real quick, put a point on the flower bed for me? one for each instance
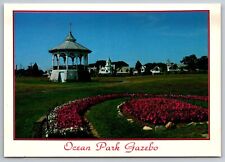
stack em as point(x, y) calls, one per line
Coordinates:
point(68, 118)
point(157, 109)
point(160, 110)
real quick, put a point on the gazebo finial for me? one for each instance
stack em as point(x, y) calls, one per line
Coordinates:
point(70, 36)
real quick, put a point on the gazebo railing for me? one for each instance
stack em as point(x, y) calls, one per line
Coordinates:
point(70, 67)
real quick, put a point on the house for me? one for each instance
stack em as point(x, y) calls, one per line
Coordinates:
point(92, 69)
point(107, 69)
point(171, 67)
point(135, 72)
point(155, 70)
point(48, 73)
point(182, 67)
point(125, 70)
point(143, 68)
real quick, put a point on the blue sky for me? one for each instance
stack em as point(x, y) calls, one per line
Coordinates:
point(144, 36)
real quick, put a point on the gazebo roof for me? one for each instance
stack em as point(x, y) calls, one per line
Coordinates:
point(70, 44)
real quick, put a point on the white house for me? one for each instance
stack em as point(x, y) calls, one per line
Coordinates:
point(107, 69)
point(143, 67)
point(90, 69)
point(123, 70)
point(182, 67)
point(172, 67)
point(176, 67)
point(156, 70)
point(135, 72)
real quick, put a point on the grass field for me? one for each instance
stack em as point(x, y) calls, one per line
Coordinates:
point(36, 96)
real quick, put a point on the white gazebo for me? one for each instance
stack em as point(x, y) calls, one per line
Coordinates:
point(68, 60)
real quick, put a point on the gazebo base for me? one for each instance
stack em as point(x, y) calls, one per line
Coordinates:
point(64, 75)
point(69, 75)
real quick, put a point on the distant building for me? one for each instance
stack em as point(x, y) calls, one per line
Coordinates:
point(125, 70)
point(182, 67)
point(143, 68)
point(92, 69)
point(171, 67)
point(156, 70)
point(135, 72)
point(48, 73)
point(107, 69)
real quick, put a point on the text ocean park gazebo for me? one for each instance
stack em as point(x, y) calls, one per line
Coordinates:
point(71, 51)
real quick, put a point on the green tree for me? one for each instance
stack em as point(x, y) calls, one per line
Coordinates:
point(203, 63)
point(138, 66)
point(191, 62)
point(119, 64)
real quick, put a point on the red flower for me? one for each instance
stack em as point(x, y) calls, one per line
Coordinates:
point(160, 110)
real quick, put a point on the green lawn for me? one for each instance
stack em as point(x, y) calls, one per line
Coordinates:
point(36, 96)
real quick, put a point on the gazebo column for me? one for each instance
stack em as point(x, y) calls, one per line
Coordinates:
point(85, 60)
point(53, 61)
point(66, 61)
point(72, 58)
point(76, 61)
point(58, 55)
point(80, 57)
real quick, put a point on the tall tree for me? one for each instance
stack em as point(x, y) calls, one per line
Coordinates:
point(35, 67)
point(138, 66)
point(35, 70)
point(191, 62)
point(203, 63)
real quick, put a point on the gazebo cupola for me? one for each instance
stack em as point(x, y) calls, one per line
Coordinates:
point(68, 50)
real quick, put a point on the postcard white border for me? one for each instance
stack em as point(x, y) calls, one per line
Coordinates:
point(166, 148)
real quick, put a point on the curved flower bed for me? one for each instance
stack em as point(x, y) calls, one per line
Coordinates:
point(69, 117)
point(160, 110)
